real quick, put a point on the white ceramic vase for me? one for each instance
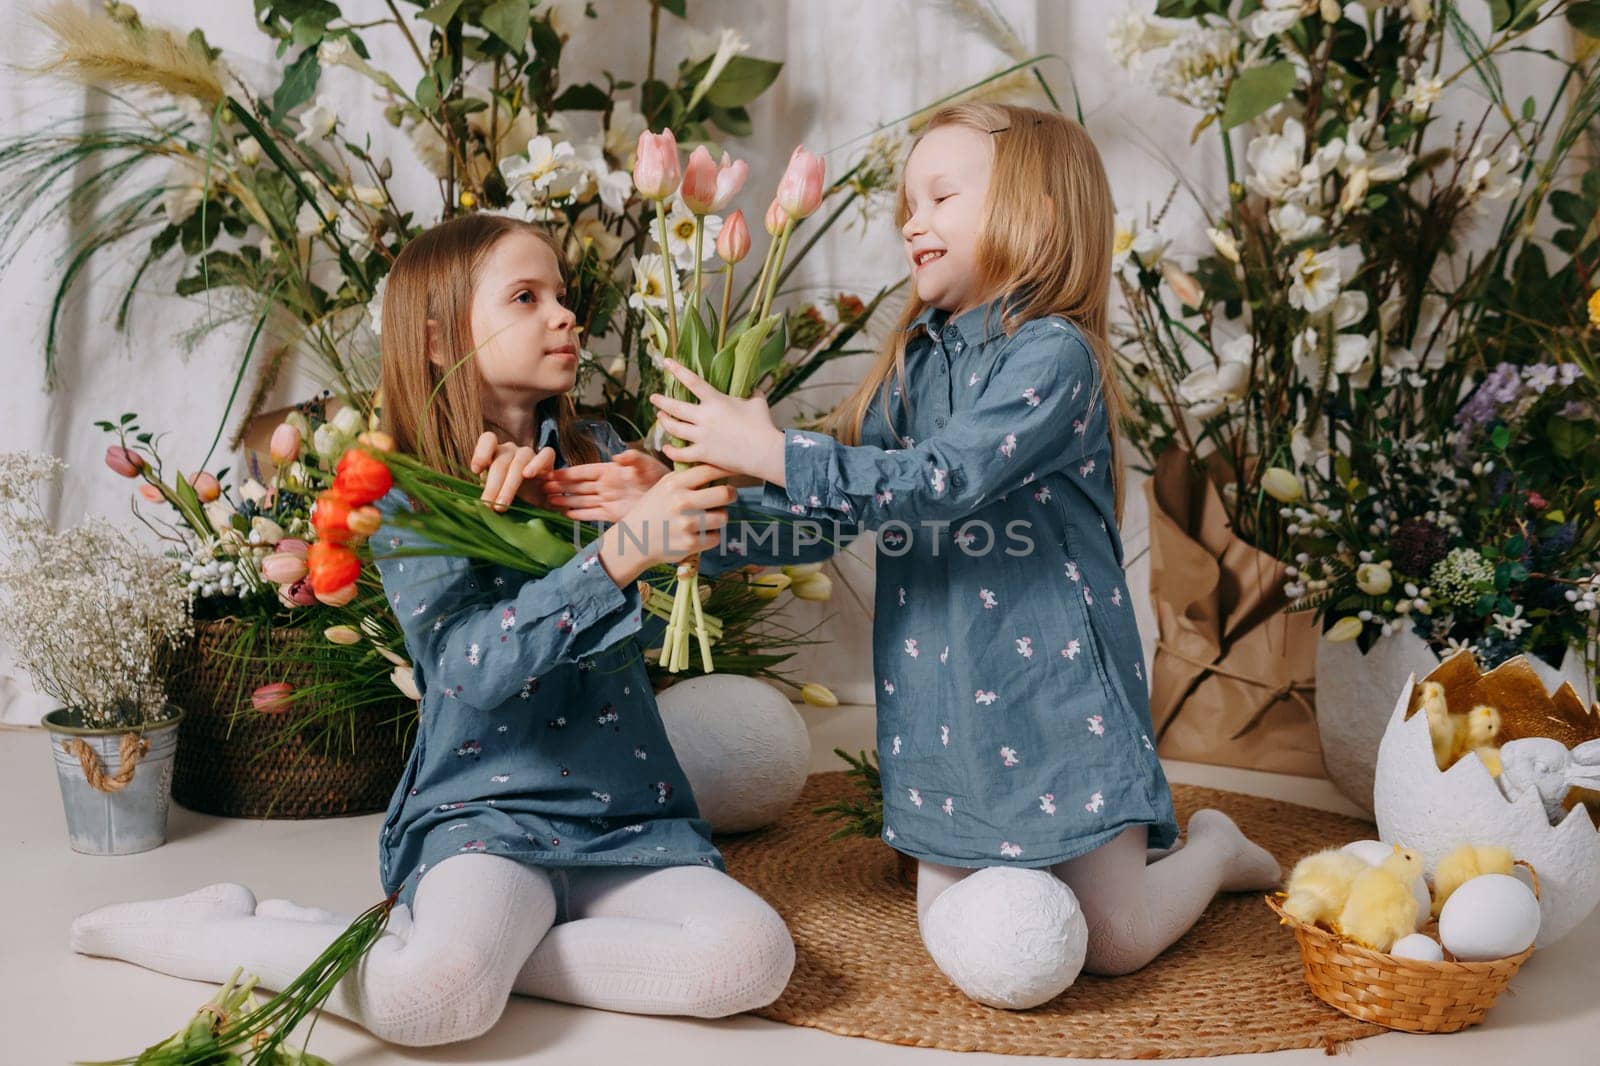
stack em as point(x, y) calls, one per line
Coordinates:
point(742, 745)
point(1356, 692)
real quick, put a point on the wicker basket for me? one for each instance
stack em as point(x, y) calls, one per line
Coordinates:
point(227, 763)
point(1406, 994)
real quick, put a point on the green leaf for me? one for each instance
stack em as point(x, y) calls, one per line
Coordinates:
point(742, 80)
point(1585, 17)
point(442, 12)
point(299, 82)
point(1501, 437)
point(721, 375)
point(509, 21)
point(1255, 90)
point(734, 121)
point(585, 97)
point(772, 351)
point(427, 94)
point(695, 345)
point(1566, 437)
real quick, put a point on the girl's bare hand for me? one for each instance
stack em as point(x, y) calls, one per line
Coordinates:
point(511, 471)
point(603, 492)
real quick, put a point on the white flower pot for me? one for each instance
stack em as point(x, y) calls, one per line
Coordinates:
point(1355, 695)
point(1433, 812)
point(742, 745)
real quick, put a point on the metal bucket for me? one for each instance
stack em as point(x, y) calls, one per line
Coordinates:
point(128, 812)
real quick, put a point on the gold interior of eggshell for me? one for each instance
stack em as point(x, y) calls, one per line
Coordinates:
point(1526, 709)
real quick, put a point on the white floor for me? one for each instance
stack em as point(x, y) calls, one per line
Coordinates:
point(57, 1007)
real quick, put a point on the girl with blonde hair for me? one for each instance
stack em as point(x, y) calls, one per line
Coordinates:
point(1013, 714)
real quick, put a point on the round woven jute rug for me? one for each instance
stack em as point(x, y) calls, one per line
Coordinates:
point(1233, 984)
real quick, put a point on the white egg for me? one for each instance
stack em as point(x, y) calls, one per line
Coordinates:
point(1373, 852)
point(1490, 917)
point(1418, 946)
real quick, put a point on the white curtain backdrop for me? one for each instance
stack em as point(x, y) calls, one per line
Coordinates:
point(849, 65)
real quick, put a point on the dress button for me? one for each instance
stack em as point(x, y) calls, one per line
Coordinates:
point(941, 421)
point(956, 480)
point(951, 333)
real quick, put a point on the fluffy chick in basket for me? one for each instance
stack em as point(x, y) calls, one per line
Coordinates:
point(1382, 905)
point(1320, 883)
point(1462, 865)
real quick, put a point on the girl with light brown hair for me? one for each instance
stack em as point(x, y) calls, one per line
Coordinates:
point(543, 839)
point(983, 446)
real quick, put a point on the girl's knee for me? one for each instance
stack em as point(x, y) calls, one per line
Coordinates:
point(1118, 945)
point(746, 963)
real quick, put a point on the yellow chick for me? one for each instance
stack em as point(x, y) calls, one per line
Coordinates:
point(1490, 757)
point(1382, 905)
point(1462, 865)
point(1441, 723)
point(1319, 885)
point(1480, 729)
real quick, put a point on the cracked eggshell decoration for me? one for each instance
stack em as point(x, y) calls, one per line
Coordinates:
point(1434, 811)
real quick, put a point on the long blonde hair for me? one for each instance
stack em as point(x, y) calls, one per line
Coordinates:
point(433, 278)
point(1055, 261)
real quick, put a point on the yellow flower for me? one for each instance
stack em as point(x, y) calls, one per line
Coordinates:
point(1594, 308)
point(818, 695)
point(1348, 628)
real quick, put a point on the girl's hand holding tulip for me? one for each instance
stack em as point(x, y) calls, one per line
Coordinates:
point(736, 435)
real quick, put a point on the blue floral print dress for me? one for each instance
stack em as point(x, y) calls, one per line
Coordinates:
point(1013, 712)
point(539, 737)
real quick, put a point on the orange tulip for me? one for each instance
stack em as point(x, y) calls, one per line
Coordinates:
point(733, 243)
point(331, 567)
point(655, 165)
point(330, 517)
point(338, 597)
point(361, 478)
point(206, 486)
point(151, 493)
point(800, 191)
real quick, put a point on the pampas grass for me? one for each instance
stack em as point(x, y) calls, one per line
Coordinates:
point(98, 50)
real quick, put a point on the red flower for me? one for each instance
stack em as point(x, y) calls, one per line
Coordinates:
point(331, 567)
point(361, 477)
point(331, 518)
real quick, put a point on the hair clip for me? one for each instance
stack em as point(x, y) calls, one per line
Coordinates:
point(1002, 129)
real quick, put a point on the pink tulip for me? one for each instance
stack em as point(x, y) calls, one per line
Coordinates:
point(338, 597)
point(733, 243)
point(298, 594)
point(775, 219)
point(273, 698)
point(285, 444)
point(1183, 286)
point(283, 568)
point(655, 166)
point(800, 191)
point(731, 175)
point(699, 190)
point(124, 461)
point(151, 493)
point(206, 486)
point(290, 544)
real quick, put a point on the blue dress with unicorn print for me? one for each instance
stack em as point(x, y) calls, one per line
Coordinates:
point(1013, 709)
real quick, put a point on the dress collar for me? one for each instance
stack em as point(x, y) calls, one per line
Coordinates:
point(978, 326)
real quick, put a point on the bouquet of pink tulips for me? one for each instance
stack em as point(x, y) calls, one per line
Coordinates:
point(731, 356)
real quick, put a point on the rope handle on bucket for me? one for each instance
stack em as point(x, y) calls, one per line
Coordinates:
point(133, 748)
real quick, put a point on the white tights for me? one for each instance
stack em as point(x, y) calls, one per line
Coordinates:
point(1135, 911)
point(676, 940)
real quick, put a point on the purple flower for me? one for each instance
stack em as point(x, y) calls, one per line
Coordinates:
point(1540, 376)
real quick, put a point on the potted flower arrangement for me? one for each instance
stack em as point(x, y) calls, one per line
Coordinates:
point(1336, 278)
point(297, 706)
point(93, 617)
point(1485, 539)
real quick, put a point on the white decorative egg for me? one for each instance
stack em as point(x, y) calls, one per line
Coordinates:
point(1490, 917)
point(1418, 946)
point(1373, 852)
